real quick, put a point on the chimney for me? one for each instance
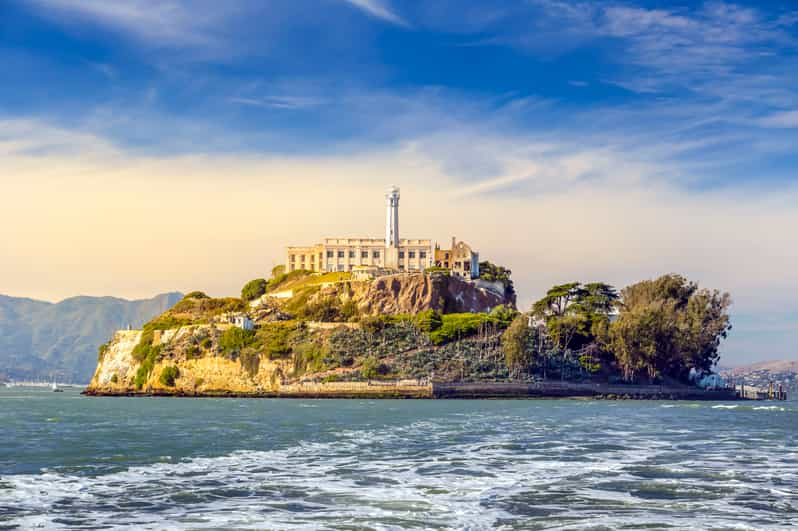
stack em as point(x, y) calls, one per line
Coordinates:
point(454, 240)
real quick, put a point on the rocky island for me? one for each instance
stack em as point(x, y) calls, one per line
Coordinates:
point(422, 335)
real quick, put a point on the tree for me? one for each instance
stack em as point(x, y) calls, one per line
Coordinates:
point(254, 289)
point(518, 344)
point(667, 326)
point(494, 273)
point(577, 315)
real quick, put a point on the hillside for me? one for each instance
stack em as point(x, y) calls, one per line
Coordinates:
point(313, 329)
point(43, 340)
point(760, 374)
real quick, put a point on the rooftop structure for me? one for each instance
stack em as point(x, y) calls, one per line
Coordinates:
point(391, 253)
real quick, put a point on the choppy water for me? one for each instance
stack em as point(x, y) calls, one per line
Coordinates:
point(75, 462)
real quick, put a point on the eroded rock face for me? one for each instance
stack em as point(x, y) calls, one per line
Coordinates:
point(412, 293)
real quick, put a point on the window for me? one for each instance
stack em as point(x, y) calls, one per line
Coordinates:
point(446, 265)
point(422, 254)
point(340, 254)
point(302, 258)
point(446, 256)
point(291, 268)
point(364, 254)
point(411, 254)
point(351, 254)
point(329, 254)
point(401, 254)
point(340, 267)
point(320, 256)
point(376, 254)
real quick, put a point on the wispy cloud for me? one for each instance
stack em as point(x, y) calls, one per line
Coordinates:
point(173, 23)
point(378, 9)
point(280, 102)
point(786, 119)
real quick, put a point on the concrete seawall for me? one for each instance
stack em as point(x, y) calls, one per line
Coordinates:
point(420, 389)
point(573, 390)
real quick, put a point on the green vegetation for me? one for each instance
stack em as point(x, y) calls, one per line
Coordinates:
point(428, 320)
point(668, 326)
point(275, 339)
point(254, 289)
point(197, 310)
point(147, 364)
point(234, 340)
point(196, 295)
point(491, 272)
point(169, 375)
point(655, 330)
point(114, 378)
point(459, 325)
point(102, 350)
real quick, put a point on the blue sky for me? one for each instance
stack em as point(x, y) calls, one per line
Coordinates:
point(682, 116)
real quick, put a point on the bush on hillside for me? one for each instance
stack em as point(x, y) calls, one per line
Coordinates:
point(169, 375)
point(254, 289)
point(234, 339)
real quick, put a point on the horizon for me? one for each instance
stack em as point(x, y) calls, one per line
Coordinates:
point(149, 149)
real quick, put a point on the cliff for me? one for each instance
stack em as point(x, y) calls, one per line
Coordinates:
point(314, 335)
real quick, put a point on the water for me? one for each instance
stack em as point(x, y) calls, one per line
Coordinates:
point(68, 461)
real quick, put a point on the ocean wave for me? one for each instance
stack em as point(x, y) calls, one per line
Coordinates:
point(460, 473)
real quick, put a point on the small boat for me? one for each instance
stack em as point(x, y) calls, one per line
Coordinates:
point(56, 389)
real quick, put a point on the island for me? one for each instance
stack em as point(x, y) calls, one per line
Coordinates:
point(410, 318)
point(428, 334)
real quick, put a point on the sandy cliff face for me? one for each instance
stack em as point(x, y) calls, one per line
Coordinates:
point(116, 371)
point(413, 293)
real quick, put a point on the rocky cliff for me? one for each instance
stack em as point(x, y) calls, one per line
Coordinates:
point(381, 337)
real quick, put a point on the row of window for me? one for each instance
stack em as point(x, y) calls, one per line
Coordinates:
point(363, 254)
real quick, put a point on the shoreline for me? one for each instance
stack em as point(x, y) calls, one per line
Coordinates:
point(451, 391)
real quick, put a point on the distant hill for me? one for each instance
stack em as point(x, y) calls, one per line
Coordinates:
point(760, 374)
point(43, 340)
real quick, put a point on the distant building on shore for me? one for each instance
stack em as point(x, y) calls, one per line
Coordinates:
point(391, 253)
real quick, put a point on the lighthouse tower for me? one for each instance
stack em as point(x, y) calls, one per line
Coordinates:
point(392, 227)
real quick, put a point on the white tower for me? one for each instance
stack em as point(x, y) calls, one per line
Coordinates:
point(392, 217)
point(392, 227)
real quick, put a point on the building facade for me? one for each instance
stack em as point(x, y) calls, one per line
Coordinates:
point(391, 253)
point(460, 259)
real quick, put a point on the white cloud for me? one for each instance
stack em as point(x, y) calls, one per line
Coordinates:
point(785, 119)
point(174, 23)
point(378, 9)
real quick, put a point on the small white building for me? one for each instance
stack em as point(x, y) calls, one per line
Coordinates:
point(244, 322)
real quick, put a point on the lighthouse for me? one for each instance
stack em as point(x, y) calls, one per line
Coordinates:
point(392, 227)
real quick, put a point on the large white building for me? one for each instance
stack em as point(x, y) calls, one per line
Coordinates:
point(346, 254)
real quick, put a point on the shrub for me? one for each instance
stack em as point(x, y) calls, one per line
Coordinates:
point(169, 375)
point(234, 339)
point(428, 320)
point(253, 289)
point(196, 295)
point(504, 314)
point(102, 350)
point(275, 338)
point(193, 351)
point(147, 364)
point(457, 325)
point(309, 357)
point(278, 270)
point(372, 368)
point(114, 378)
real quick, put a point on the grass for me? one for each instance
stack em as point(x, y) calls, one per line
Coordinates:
point(301, 279)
